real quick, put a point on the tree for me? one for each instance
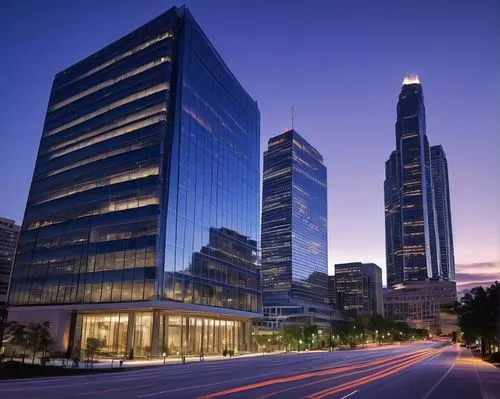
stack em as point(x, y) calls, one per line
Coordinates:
point(478, 316)
point(38, 338)
point(92, 348)
point(261, 341)
point(14, 334)
point(363, 323)
point(292, 335)
point(310, 332)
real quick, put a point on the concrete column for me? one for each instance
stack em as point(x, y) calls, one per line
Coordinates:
point(130, 332)
point(165, 336)
point(248, 335)
point(76, 335)
point(241, 337)
point(155, 339)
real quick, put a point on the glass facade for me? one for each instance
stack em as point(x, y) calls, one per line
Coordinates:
point(180, 335)
point(146, 183)
point(294, 222)
point(9, 234)
point(111, 329)
point(443, 211)
point(411, 241)
point(359, 288)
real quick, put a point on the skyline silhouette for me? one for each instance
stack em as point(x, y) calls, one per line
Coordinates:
point(341, 70)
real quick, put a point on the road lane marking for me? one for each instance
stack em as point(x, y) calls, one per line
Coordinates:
point(350, 394)
point(481, 386)
point(375, 364)
point(204, 385)
point(177, 369)
point(365, 380)
point(135, 373)
point(297, 377)
point(114, 390)
point(433, 388)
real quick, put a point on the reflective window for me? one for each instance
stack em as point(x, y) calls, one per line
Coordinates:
point(294, 221)
point(129, 168)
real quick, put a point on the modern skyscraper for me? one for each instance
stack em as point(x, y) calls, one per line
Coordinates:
point(412, 248)
point(443, 211)
point(359, 288)
point(142, 220)
point(9, 234)
point(294, 224)
point(419, 244)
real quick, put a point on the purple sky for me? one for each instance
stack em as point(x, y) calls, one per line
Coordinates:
point(339, 63)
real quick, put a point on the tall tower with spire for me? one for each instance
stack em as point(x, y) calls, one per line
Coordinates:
point(412, 249)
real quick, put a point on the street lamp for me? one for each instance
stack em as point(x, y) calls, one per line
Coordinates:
point(164, 357)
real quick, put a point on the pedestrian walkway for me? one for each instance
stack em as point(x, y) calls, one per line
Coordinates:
point(117, 363)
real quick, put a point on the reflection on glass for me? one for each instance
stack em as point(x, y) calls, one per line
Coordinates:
point(110, 328)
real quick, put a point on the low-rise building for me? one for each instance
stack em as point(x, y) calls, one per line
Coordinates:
point(422, 304)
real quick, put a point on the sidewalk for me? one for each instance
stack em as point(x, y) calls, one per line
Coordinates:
point(115, 363)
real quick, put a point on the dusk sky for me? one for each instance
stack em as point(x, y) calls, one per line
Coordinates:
point(340, 64)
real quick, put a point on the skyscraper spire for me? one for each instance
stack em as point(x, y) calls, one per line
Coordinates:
point(411, 79)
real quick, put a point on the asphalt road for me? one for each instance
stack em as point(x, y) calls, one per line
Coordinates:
point(418, 371)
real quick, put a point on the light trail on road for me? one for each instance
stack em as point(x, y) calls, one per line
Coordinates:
point(384, 362)
point(397, 367)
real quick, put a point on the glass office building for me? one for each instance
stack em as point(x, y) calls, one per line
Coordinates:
point(412, 249)
point(419, 243)
point(142, 220)
point(294, 224)
point(443, 211)
point(9, 234)
point(359, 288)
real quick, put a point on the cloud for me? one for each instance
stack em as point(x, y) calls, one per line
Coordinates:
point(480, 267)
point(475, 274)
point(464, 278)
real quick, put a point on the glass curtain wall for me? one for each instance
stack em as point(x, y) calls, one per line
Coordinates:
point(110, 328)
point(179, 335)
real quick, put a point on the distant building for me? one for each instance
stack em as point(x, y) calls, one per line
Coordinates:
point(412, 250)
point(9, 234)
point(422, 304)
point(332, 292)
point(294, 241)
point(359, 288)
point(419, 239)
point(443, 212)
point(149, 159)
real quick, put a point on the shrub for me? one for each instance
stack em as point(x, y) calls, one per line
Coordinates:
point(495, 357)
